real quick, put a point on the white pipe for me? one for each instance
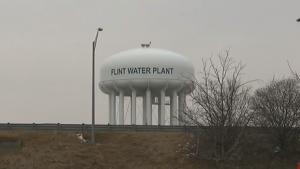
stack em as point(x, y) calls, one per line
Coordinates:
point(173, 107)
point(121, 108)
point(113, 108)
point(148, 107)
point(133, 107)
point(144, 109)
point(162, 107)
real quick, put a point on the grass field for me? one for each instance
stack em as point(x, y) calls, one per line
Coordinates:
point(115, 150)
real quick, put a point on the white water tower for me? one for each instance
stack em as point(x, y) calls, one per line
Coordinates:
point(150, 73)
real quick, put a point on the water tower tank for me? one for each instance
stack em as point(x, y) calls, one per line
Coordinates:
point(148, 73)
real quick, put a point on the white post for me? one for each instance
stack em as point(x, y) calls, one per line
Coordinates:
point(162, 107)
point(173, 109)
point(144, 109)
point(113, 108)
point(133, 107)
point(148, 107)
point(121, 108)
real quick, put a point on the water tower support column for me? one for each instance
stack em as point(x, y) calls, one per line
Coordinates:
point(109, 109)
point(158, 109)
point(113, 108)
point(184, 110)
point(173, 108)
point(163, 104)
point(121, 108)
point(148, 107)
point(174, 112)
point(181, 99)
point(133, 107)
point(144, 109)
point(162, 107)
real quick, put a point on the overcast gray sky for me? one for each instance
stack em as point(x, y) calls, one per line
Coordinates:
point(46, 46)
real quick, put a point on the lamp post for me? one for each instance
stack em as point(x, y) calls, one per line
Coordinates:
point(93, 86)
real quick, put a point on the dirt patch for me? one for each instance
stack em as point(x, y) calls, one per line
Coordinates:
point(9, 145)
point(118, 150)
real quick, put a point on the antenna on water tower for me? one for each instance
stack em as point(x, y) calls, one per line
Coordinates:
point(146, 45)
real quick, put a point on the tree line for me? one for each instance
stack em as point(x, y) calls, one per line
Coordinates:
point(224, 106)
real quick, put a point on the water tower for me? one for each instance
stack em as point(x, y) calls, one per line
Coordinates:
point(150, 73)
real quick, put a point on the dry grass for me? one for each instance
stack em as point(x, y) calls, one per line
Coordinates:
point(118, 150)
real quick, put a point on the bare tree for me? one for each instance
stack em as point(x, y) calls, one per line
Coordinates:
point(277, 108)
point(220, 108)
point(294, 73)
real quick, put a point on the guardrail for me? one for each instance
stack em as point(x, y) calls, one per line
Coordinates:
point(87, 127)
point(139, 128)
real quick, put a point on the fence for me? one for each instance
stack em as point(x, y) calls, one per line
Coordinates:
point(139, 128)
point(87, 127)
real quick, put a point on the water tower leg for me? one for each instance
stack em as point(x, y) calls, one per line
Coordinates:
point(181, 99)
point(184, 109)
point(121, 108)
point(158, 110)
point(162, 107)
point(109, 109)
point(113, 108)
point(148, 107)
point(144, 109)
point(133, 107)
point(173, 108)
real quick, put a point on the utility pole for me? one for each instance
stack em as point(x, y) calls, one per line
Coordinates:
point(93, 86)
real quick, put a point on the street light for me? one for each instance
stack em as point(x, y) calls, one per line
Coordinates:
point(93, 86)
point(298, 20)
